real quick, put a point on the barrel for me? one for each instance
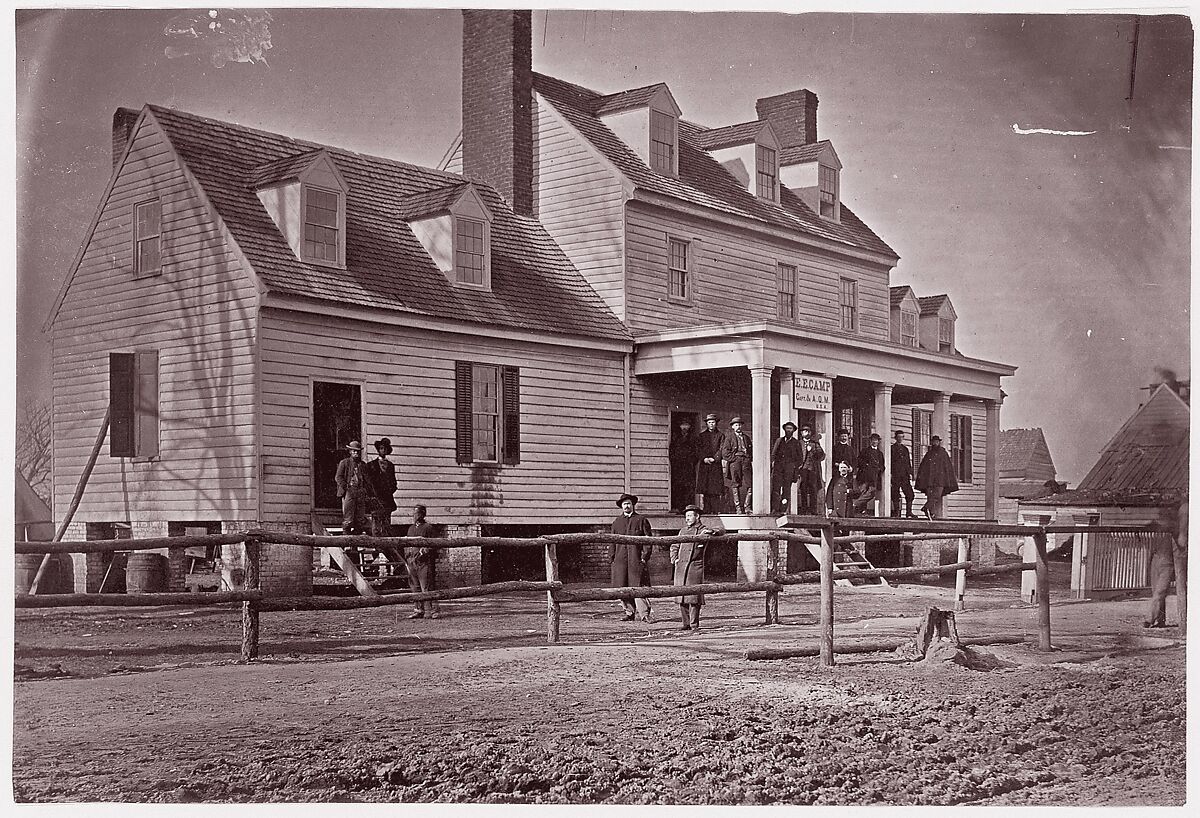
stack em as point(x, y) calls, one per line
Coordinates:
point(58, 578)
point(146, 573)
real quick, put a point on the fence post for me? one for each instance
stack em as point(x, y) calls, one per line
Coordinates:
point(960, 577)
point(553, 616)
point(1043, 591)
point(772, 612)
point(250, 608)
point(827, 595)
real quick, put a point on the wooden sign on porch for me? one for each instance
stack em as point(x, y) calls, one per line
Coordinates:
point(814, 393)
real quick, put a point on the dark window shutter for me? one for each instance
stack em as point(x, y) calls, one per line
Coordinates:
point(511, 379)
point(968, 466)
point(463, 438)
point(120, 404)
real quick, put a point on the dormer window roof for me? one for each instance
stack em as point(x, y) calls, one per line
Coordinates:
point(647, 120)
point(813, 172)
point(454, 226)
point(305, 195)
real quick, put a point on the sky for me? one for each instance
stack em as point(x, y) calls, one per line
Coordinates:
point(1067, 255)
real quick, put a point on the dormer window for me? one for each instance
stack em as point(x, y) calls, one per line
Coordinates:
point(766, 172)
point(454, 226)
point(945, 335)
point(322, 225)
point(663, 138)
point(908, 328)
point(147, 238)
point(470, 252)
point(305, 195)
point(827, 179)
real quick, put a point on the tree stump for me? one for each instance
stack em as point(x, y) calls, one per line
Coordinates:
point(936, 624)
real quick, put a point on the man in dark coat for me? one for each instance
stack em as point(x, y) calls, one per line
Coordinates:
point(683, 456)
point(420, 562)
point(382, 474)
point(869, 472)
point(735, 462)
point(631, 563)
point(688, 559)
point(935, 478)
point(844, 496)
point(786, 456)
point(902, 473)
point(842, 450)
point(355, 490)
point(709, 479)
point(808, 472)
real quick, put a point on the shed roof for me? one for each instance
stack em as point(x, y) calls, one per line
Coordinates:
point(1018, 448)
point(29, 507)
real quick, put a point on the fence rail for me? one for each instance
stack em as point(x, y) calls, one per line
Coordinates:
point(859, 530)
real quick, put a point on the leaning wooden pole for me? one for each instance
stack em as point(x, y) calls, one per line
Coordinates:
point(553, 614)
point(960, 579)
point(250, 610)
point(71, 509)
point(827, 596)
point(772, 602)
point(1043, 591)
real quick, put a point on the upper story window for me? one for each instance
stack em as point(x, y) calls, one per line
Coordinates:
point(945, 335)
point(849, 304)
point(470, 252)
point(662, 142)
point(322, 225)
point(679, 281)
point(786, 290)
point(827, 181)
point(147, 238)
point(766, 171)
point(908, 329)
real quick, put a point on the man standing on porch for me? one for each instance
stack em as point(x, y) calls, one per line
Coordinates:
point(935, 478)
point(870, 471)
point(735, 458)
point(786, 456)
point(710, 482)
point(809, 473)
point(901, 476)
point(355, 490)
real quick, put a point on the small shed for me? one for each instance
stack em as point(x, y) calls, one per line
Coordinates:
point(32, 518)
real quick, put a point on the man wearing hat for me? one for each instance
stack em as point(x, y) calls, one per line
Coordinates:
point(681, 453)
point(354, 487)
point(902, 473)
point(710, 481)
point(735, 458)
point(935, 478)
point(843, 451)
point(786, 456)
point(382, 474)
point(808, 473)
point(631, 563)
point(688, 559)
point(869, 473)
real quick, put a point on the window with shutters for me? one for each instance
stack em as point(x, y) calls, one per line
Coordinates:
point(922, 430)
point(960, 447)
point(147, 238)
point(786, 291)
point(133, 404)
point(488, 413)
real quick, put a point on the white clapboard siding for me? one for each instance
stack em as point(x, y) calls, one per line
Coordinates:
point(733, 272)
point(572, 419)
point(579, 202)
point(199, 315)
point(970, 499)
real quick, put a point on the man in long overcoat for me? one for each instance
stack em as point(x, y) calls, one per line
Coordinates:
point(843, 497)
point(710, 481)
point(688, 559)
point(786, 456)
point(869, 472)
point(682, 454)
point(631, 563)
point(935, 478)
point(382, 474)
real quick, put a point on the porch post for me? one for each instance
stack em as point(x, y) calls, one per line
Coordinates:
point(760, 395)
point(941, 418)
point(823, 428)
point(787, 411)
point(883, 428)
point(991, 496)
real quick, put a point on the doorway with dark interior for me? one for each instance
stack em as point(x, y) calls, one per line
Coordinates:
point(336, 420)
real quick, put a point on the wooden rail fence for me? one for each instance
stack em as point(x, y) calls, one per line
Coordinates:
point(865, 530)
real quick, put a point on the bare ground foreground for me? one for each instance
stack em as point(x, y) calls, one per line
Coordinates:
point(150, 705)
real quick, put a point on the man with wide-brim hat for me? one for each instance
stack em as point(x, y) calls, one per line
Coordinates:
point(688, 561)
point(786, 456)
point(355, 490)
point(710, 479)
point(383, 482)
point(630, 564)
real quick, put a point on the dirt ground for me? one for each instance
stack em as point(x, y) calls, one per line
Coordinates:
point(151, 705)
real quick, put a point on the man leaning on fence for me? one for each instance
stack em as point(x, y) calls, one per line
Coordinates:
point(688, 559)
point(631, 563)
point(420, 563)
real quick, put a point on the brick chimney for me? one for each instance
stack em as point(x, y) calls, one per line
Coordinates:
point(122, 132)
point(497, 103)
point(792, 115)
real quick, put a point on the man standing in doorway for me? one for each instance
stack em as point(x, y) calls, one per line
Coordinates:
point(382, 474)
point(355, 490)
point(631, 563)
point(709, 480)
point(786, 456)
point(420, 562)
point(870, 473)
point(682, 455)
point(902, 477)
point(935, 478)
point(808, 474)
point(735, 461)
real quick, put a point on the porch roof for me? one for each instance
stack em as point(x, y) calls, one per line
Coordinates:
point(771, 344)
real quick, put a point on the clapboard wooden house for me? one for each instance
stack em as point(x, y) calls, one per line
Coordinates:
point(525, 325)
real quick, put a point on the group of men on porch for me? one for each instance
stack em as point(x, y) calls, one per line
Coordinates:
point(714, 465)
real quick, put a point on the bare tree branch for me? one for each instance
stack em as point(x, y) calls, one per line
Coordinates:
point(33, 446)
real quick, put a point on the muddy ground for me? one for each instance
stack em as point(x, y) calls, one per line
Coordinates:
point(151, 705)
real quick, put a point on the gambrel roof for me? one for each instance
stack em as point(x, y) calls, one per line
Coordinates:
point(702, 180)
point(534, 286)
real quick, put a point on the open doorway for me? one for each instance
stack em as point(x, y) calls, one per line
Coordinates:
point(683, 454)
point(337, 419)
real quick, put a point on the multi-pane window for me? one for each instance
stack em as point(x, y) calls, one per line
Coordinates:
point(469, 252)
point(908, 328)
point(766, 173)
point(487, 400)
point(680, 285)
point(960, 447)
point(827, 179)
point(320, 225)
point(662, 143)
point(849, 304)
point(945, 335)
point(147, 238)
point(485, 412)
point(922, 430)
point(786, 289)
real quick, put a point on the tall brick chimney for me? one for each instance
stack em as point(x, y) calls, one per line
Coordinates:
point(793, 116)
point(497, 103)
point(123, 122)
